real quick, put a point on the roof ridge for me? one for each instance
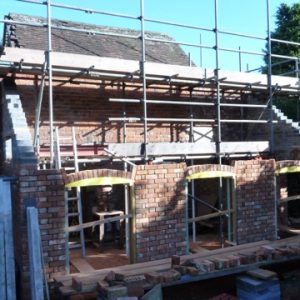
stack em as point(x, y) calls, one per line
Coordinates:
point(86, 26)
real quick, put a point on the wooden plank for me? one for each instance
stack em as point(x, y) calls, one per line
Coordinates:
point(289, 229)
point(261, 273)
point(162, 264)
point(195, 248)
point(79, 61)
point(287, 199)
point(2, 262)
point(210, 216)
point(82, 265)
point(95, 223)
point(88, 281)
point(34, 253)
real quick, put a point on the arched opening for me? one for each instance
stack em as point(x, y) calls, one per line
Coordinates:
point(288, 196)
point(211, 207)
point(98, 217)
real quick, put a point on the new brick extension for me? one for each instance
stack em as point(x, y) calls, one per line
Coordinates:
point(160, 211)
point(255, 200)
point(45, 189)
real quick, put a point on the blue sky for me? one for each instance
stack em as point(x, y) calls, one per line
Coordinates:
point(247, 16)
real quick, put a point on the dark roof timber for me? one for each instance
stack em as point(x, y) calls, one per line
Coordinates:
point(23, 36)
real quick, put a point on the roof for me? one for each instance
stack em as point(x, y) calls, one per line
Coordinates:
point(90, 44)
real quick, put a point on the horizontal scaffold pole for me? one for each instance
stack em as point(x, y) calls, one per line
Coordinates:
point(96, 223)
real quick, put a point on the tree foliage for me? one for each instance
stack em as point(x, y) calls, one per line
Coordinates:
point(287, 28)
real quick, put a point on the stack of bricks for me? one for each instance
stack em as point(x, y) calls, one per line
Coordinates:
point(160, 211)
point(255, 200)
point(133, 282)
point(45, 190)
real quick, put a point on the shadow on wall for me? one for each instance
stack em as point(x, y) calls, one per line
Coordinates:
point(255, 200)
point(160, 211)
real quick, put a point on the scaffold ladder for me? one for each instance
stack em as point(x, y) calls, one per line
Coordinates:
point(73, 202)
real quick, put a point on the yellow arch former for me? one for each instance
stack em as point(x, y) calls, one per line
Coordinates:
point(286, 170)
point(100, 181)
point(210, 174)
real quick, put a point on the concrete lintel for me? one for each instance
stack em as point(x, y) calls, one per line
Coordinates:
point(185, 149)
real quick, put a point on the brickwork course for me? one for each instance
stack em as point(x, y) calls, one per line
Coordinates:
point(45, 190)
point(255, 200)
point(160, 211)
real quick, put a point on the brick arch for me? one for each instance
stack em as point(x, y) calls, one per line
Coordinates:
point(209, 171)
point(98, 177)
point(287, 166)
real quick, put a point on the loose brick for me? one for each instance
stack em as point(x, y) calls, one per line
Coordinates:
point(154, 277)
point(170, 275)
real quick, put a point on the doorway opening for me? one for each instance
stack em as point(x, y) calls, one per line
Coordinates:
point(102, 237)
point(211, 211)
point(288, 191)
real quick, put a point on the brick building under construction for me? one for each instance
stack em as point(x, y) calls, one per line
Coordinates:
point(120, 141)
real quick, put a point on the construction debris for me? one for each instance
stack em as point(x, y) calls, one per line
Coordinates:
point(134, 280)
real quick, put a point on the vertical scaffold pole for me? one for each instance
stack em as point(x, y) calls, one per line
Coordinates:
point(270, 77)
point(218, 117)
point(49, 69)
point(143, 74)
point(192, 163)
point(217, 79)
point(126, 188)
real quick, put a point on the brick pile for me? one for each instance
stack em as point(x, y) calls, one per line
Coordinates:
point(202, 266)
point(160, 211)
point(135, 282)
point(255, 200)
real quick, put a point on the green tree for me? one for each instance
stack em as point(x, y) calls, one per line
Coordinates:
point(288, 29)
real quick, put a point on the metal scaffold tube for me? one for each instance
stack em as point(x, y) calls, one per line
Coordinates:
point(192, 139)
point(86, 10)
point(143, 74)
point(218, 118)
point(177, 102)
point(177, 24)
point(217, 79)
point(49, 69)
point(36, 140)
point(179, 43)
point(270, 89)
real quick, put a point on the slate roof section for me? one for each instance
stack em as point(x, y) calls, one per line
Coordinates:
point(24, 36)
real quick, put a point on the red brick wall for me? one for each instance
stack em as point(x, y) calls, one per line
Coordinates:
point(255, 200)
point(88, 108)
point(46, 189)
point(160, 211)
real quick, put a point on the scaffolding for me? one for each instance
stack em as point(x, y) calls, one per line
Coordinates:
point(214, 82)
